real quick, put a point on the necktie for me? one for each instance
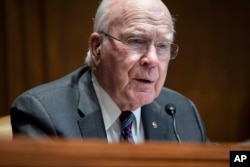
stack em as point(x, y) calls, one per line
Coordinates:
point(126, 119)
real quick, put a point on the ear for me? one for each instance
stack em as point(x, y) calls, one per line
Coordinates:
point(95, 41)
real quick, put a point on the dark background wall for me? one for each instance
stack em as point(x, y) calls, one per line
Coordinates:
point(41, 40)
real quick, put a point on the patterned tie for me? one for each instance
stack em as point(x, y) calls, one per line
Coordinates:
point(126, 119)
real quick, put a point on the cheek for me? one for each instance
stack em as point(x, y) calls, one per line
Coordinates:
point(163, 72)
point(119, 72)
point(163, 75)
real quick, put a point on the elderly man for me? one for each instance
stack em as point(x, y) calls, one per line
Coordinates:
point(120, 94)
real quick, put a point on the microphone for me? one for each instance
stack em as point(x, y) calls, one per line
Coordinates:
point(171, 110)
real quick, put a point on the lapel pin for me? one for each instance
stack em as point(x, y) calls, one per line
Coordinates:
point(154, 124)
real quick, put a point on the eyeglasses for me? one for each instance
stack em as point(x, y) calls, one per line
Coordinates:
point(139, 46)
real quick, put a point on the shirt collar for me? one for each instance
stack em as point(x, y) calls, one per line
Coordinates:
point(137, 114)
point(110, 111)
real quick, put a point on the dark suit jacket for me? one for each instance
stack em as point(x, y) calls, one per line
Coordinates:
point(68, 107)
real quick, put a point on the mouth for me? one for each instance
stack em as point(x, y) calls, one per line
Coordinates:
point(146, 81)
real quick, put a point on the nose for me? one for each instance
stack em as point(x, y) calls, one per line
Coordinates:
point(149, 58)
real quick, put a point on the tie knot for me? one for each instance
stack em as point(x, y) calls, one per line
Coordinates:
point(125, 115)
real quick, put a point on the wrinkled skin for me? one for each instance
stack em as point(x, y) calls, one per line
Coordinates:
point(131, 80)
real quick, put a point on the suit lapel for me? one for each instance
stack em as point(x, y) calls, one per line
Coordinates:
point(91, 124)
point(157, 125)
point(154, 122)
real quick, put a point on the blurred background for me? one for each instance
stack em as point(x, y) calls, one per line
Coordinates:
point(42, 40)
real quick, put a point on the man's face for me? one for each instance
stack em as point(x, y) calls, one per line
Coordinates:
point(131, 77)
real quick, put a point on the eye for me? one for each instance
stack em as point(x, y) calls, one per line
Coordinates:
point(136, 41)
point(163, 46)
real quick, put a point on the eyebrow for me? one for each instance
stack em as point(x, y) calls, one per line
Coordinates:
point(168, 36)
point(138, 32)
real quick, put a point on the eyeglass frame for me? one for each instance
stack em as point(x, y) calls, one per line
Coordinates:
point(172, 56)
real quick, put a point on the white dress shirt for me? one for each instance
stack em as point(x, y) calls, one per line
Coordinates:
point(111, 113)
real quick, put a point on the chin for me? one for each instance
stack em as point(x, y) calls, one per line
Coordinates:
point(137, 99)
point(143, 98)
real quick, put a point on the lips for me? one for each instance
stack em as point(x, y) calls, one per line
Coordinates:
point(146, 81)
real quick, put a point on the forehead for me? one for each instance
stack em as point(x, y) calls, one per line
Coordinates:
point(147, 11)
point(141, 16)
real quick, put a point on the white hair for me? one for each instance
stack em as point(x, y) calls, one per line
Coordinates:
point(102, 22)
